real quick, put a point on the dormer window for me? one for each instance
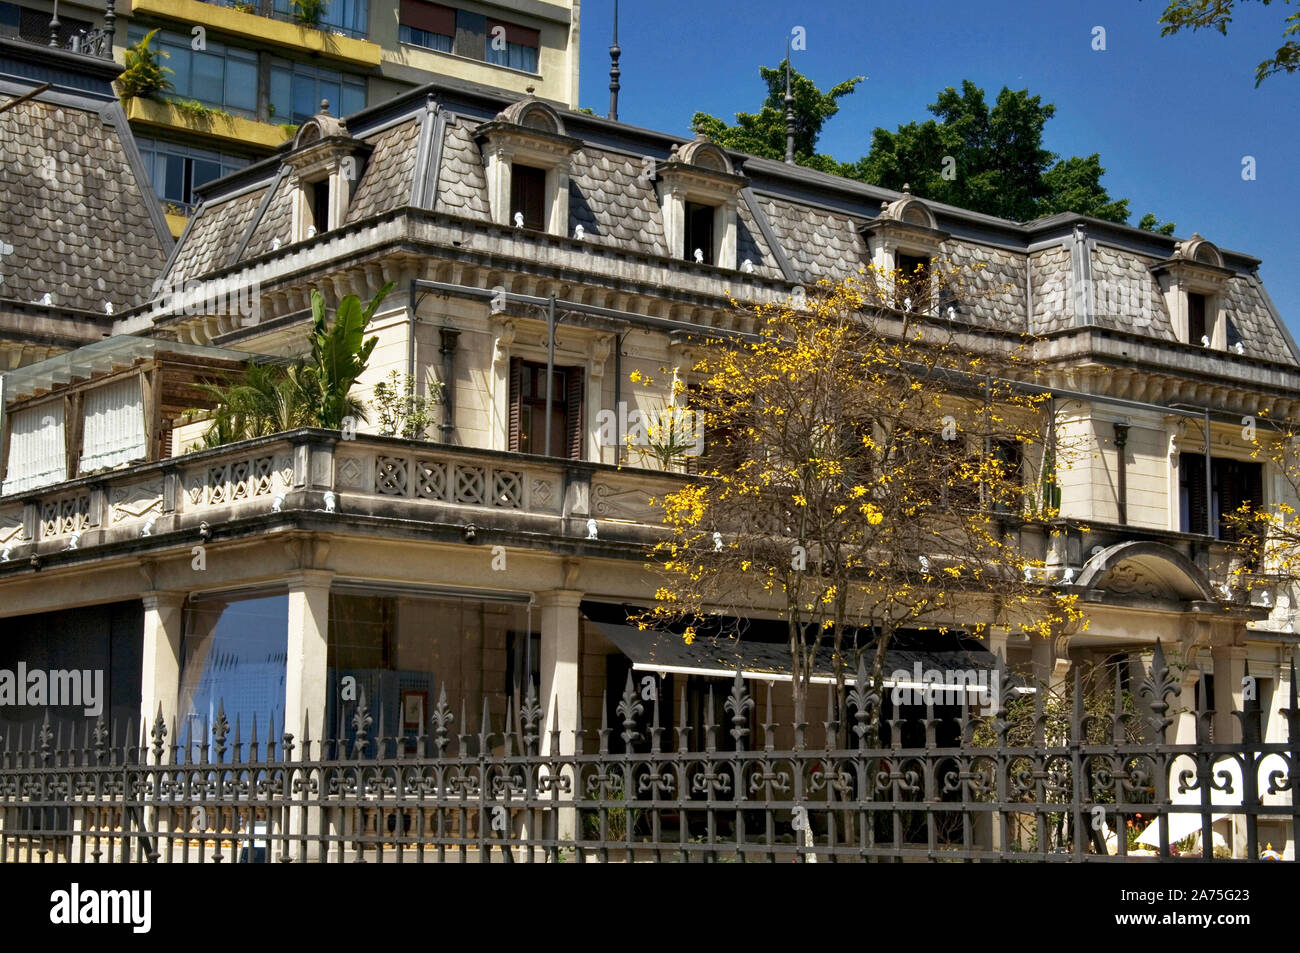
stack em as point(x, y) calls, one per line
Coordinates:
point(904, 239)
point(318, 204)
point(913, 278)
point(699, 233)
point(528, 196)
point(1196, 318)
point(325, 166)
point(527, 157)
point(1192, 281)
point(700, 192)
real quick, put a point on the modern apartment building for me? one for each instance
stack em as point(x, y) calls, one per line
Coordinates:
point(245, 74)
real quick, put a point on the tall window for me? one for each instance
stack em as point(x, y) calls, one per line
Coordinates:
point(1195, 318)
point(318, 200)
point(1233, 483)
point(528, 410)
point(297, 90)
point(699, 232)
point(177, 170)
point(430, 25)
point(528, 195)
point(233, 658)
point(512, 46)
point(913, 280)
point(402, 650)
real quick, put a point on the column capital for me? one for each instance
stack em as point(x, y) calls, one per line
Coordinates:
point(163, 599)
point(560, 598)
point(310, 579)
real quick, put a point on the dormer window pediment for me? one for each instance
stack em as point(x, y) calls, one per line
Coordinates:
point(906, 223)
point(1196, 264)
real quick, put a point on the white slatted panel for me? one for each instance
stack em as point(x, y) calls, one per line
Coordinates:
point(36, 450)
point(113, 430)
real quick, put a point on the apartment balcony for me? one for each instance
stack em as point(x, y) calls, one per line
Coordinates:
point(219, 127)
point(313, 479)
point(265, 29)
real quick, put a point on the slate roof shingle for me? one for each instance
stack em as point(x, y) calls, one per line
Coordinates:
point(73, 212)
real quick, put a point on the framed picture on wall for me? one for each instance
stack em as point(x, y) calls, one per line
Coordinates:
point(413, 706)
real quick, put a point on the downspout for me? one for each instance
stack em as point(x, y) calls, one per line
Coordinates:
point(1209, 489)
point(618, 399)
point(1121, 441)
point(410, 332)
point(449, 336)
point(550, 370)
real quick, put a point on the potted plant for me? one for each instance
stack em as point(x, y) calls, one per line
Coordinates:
point(309, 12)
point(144, 75)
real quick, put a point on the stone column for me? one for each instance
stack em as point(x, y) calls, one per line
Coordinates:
point(160, 668)
point(304, 682)
point(560, 691)
point(1051, 661)
point(1229, 667)
point(561, 647)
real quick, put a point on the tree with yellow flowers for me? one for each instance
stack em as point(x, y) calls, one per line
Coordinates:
point(1264, 538)
point(867, 464)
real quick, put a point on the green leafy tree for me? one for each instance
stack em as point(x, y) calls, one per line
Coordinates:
point(1153, 224)
point(763, 133)
point(1217, 14)
point(312, 392)
point(987, 159)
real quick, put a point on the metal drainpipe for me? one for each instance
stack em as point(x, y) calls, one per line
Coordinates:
point(618, 399)
point(413, 304)
point(550, 370)
point(1121, 441)
point(1209, 488)
point(450, 337)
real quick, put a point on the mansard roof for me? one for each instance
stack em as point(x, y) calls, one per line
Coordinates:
point(81, 235)
point(796, 226)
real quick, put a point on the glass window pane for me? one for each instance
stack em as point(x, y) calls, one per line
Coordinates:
point(281, 84)
point(179, 63)
point(305, 100)
point(241, 85)
point(330, 92)
point(354, 98)
point(173, 178)
point(209, 79)
point(233, 656)
point(205, 170)
point(401, 650)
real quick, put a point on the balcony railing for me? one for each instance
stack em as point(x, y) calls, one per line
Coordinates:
point(318, 472)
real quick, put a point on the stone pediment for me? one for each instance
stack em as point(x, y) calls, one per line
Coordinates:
point(1149, 570)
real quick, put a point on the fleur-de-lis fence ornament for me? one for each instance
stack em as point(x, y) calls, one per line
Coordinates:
point(630, 708)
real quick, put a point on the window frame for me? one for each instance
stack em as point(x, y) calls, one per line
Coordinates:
point(572, 433)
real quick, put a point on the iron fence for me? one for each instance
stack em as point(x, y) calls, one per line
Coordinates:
point(728, 795)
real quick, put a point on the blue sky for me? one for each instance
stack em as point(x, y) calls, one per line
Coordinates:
point(1171, 116)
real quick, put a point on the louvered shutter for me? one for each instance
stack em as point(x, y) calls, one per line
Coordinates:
point(1192, 478)
point(573, 418)
point(515, 417)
